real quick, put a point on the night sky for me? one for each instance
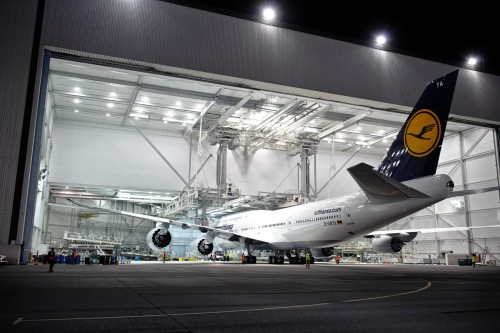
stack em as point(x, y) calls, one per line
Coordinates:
point(447, 35)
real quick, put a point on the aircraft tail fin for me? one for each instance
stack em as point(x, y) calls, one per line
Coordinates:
point(415, 152)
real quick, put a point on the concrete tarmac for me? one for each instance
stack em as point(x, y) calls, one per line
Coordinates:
point(231, 297)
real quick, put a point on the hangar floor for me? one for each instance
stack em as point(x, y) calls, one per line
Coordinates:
point(230, 297)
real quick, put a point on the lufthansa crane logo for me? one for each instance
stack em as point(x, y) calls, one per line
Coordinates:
point(422, 133)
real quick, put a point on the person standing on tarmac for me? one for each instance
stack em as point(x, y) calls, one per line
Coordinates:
point(308, 260)
point(243, 258)
point(52, 258)
point(337, 259)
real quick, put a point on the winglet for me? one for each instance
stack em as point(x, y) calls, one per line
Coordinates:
point(379, 188)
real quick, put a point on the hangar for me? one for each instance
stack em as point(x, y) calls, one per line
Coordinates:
point(210, 115)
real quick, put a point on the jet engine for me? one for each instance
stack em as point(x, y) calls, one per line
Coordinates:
point(205, 247)
point(158, 238)
point(392, 244)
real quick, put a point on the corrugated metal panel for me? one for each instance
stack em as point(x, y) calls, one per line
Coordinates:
point(194, 41)
point(162, 33)
point(17, 21)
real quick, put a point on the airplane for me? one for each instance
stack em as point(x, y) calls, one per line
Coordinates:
point(404, 183)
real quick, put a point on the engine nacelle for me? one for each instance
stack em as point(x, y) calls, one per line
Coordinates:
point(158, 238)
point(388, 244)
point(204, 247)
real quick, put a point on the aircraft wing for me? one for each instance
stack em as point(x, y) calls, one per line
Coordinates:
point(405, 232)
point(214, 231)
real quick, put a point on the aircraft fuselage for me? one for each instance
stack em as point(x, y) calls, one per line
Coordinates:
point(333, 221)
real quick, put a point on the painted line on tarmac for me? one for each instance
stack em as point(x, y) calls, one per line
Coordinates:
point(250, 310)
point(387, 296)
point(428, 285)
point(19, 320)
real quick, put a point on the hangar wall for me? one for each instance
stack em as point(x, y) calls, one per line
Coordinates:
point(163, 33)
point(89, 155)
point(17, 21)
point(469, 159)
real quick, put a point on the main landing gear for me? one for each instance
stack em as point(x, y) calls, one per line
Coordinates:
point(294, 258)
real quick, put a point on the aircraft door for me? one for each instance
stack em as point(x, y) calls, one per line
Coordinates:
point(347, 216)
point(289, 223)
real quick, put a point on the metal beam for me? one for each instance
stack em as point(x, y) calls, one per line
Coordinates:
point(316, 113)
point(145, 87)
point(387, 136)
point(229, 113)
point(194, 176)
point(335, 174)
point(273, 116)
point(476, 143)
point(159, 153)
point(92, 78)
point(222, 166)
point(329, 130)
point(132, 100)
point(304, 174)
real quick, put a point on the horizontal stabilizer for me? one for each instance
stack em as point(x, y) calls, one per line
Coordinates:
point(475, 191)
point(380, 188)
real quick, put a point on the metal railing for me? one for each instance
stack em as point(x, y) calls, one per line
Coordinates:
point(91, 239)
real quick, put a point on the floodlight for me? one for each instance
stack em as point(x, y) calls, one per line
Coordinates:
point(380, 40)
point(269, 14)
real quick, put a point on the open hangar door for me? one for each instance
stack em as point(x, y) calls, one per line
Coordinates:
point(138, 140)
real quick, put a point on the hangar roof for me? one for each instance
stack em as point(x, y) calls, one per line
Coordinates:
point(95, 94)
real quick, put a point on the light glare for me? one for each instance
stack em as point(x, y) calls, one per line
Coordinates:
point(381, 40)
point(269, 14)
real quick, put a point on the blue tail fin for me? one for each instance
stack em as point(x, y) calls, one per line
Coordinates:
point(415, 152)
